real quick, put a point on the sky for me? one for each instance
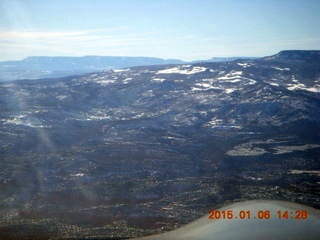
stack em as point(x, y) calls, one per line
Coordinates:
point(180, 29)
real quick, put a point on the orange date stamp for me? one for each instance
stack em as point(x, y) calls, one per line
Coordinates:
point(259, 214)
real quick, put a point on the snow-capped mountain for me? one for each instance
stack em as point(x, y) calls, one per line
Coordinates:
point(135, 151)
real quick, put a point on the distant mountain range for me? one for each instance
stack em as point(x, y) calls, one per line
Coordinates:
point(223, 59)
point(52, 67)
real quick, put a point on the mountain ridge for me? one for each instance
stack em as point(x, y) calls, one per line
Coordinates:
point(35, 67)
point(295, 55)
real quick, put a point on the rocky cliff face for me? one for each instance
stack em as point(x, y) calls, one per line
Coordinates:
point(133, 151)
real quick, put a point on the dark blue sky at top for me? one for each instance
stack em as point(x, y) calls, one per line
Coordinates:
point(185, 29)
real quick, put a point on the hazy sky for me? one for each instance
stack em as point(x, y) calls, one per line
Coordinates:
point(184, 29)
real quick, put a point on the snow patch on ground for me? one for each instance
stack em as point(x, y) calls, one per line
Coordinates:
point(244, 65)
point(233, 76)
point(95, 118)
point(293, 79)
point(121, 70)
point(127, 80)
point(214, 122)
point(234, 81)
point(311, 172)
point(218, 123)
point(77, 175)
point(185, 69)
point(230, 90)
point(301, 86)
point(281, 69)
point(289, 149)
point(24, 120)
point(203, 86)
point(105, 81)
point(61, 97)
point(251, 81)
point(196, 89)
point(158, 79)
